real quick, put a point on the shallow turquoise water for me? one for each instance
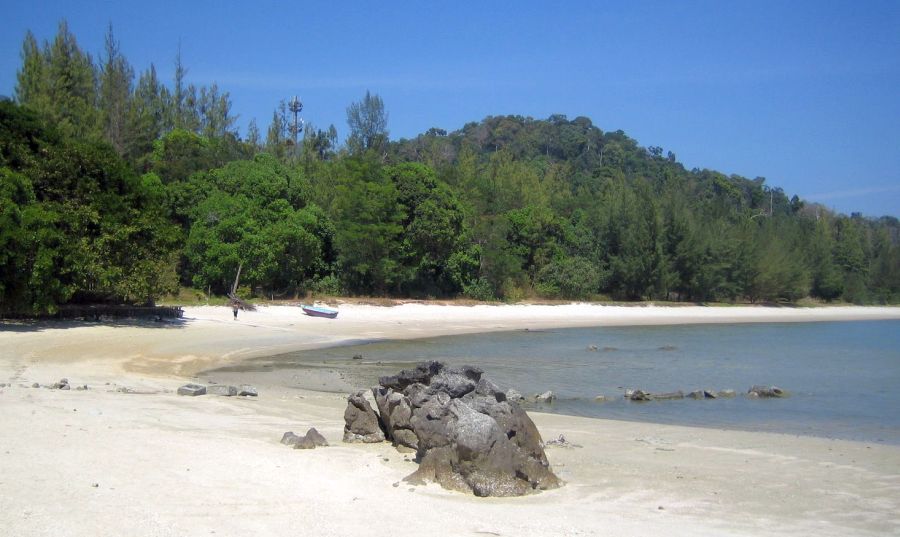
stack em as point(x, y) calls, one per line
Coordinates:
point(844, 377)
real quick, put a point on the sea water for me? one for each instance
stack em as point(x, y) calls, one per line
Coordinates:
point(843, 377)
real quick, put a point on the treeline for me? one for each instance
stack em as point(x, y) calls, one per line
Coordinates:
point(116, 190)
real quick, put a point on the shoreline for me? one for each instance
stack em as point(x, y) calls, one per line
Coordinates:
point(170, 465)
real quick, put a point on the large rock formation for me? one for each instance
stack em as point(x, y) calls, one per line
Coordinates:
point(360, 421)
point(466, 434)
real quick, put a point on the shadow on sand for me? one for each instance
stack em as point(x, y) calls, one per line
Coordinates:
point(40, 325)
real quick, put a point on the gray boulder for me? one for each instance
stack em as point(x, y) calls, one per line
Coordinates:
point(468, 434)
point(247, 391)
point(420, 375)
point(452, 383)
point(222, 389)
point(725, 394)
point(310, 440)
point(361, 424)
point(766, 391)
point(316, 437)
point(395, 410)
point(514, 396)
point(289, 438)
point(192, 390)
point(638, 395)
point(546, 397)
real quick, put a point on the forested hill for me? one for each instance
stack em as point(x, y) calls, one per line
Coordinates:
point(115, 186)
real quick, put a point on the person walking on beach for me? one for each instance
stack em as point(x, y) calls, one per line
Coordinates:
point(234, 310)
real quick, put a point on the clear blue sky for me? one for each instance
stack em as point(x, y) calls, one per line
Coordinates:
point(806, 94)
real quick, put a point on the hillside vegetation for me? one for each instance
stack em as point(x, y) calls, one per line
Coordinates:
point(116, 187)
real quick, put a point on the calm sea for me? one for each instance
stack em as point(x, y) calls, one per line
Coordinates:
point(843, 377)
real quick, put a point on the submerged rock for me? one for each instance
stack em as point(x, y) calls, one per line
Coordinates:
point(514, 396)
point(638, 395)
point(668, 395)
point(766, 391)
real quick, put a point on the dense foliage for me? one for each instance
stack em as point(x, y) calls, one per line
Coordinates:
point(111, 190)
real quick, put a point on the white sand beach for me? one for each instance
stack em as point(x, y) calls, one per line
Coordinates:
point(130, 457)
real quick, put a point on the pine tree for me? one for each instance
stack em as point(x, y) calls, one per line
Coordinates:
point(72, 84)
point(147, 116)
point(31, 80)
point(116, 79)
point(253, 136)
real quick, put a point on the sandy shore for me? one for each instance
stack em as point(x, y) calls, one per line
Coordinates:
point(169, 465)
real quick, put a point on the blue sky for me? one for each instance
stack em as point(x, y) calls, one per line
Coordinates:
point(806, 94)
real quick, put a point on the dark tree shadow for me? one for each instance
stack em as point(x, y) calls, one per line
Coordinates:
point(39, 325)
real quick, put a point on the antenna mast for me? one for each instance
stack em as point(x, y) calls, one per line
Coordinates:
point(296, 106)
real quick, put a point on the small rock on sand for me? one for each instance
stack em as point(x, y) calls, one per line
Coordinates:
point(222, 389)
point(316, 437)
point(247, 391)
point(289, 438)
point(311, 440)
point(192, 390)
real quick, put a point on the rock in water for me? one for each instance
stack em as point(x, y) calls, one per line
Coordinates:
point(192, 390)
point(766, 391)
point(361, 424)
point(638, 395)
point(546, 397)
point(668, 395)
point(513, 395)
point(468, 434)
